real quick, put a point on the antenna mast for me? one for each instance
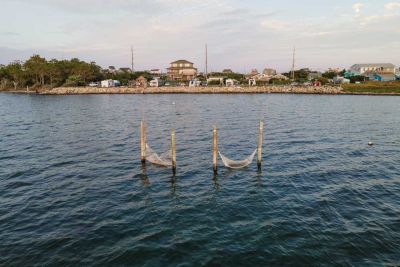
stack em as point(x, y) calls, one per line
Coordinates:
point(132, 58)
point(206, 62)
point(293, 63)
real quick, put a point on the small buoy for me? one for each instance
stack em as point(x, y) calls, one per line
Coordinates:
point(173, 103)
point(370, 143)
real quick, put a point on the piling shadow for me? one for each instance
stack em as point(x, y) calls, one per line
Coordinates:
point(143, 176)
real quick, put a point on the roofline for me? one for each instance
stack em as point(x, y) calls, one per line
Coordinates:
point(181, 60)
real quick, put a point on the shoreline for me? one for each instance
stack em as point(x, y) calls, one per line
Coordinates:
point(307, 90)
point(194, 90)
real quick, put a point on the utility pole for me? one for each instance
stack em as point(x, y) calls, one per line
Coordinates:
point(206, 62)
point(132, 58)
point(293, 63)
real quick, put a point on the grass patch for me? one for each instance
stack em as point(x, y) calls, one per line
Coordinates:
point(373, 87)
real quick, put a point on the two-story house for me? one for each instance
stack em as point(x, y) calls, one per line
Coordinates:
point(181, 70)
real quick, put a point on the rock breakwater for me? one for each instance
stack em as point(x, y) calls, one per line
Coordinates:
point(195, 90)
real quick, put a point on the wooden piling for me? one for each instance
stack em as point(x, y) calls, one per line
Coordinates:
point(142, 141)
point(260, 141)
point(173, 151)
point(215, 150)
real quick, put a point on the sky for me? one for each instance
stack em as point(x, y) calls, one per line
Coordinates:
point(240, 34)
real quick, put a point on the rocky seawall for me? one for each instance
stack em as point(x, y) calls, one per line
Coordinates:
point(195, 90)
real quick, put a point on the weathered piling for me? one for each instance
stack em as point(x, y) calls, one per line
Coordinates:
point(260, 141)
point(173, 151)
point(142, 141)
point(215, 150)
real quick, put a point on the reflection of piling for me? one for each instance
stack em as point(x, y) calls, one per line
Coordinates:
point(142, 142)
point(173, 151)
point(215, 150)
point(260, 141)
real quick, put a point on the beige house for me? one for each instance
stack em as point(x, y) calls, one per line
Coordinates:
point(181, 70)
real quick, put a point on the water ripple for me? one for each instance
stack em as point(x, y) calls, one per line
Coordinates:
point(73, 190)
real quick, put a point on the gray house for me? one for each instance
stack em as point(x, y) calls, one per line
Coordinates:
point(365, 69)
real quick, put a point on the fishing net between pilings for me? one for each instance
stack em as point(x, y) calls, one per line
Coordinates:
point(237, 164)
point(164, 159)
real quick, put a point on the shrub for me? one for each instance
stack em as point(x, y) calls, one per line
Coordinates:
point(74, 80)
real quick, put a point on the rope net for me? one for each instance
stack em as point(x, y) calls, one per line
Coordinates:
point(237, 164)
point(161, 160)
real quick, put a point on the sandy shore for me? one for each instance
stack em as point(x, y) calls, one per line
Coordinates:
point(195, 90)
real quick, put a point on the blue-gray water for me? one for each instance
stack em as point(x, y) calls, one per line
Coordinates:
point(73, 191)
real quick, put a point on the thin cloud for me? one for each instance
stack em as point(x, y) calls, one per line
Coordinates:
point(9, 33)
point(357, 7)
point(392, 5)
point(275, 25)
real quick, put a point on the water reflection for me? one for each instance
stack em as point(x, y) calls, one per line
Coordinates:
point(217, 186)
point(143, 176)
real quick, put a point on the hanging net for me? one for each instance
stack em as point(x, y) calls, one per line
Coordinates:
point(237, 164)
point(162, 160)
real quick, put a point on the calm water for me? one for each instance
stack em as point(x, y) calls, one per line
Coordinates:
point(73, 191)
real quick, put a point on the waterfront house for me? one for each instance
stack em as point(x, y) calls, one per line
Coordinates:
point(181, 70)
point(262, 77)
point(269, 72)
point(254, 72)
point(366, 69)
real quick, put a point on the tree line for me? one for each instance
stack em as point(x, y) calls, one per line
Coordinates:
point(37, 72)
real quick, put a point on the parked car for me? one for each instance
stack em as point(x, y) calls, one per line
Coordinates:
point(93, 84)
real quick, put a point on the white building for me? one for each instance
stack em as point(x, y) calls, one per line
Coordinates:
point(107, 83)
point(110, 83)
point(156, 82)
point(216, 80)
point(155, 72)
point(340, 80)
point(231, 82)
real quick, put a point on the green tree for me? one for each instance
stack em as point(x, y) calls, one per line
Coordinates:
point(329, 74)
point(36, 66)
point(4, 77)
point(299, 75)
point(16, 73)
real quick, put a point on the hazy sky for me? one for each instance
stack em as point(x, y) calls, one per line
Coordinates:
point(240, 34)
